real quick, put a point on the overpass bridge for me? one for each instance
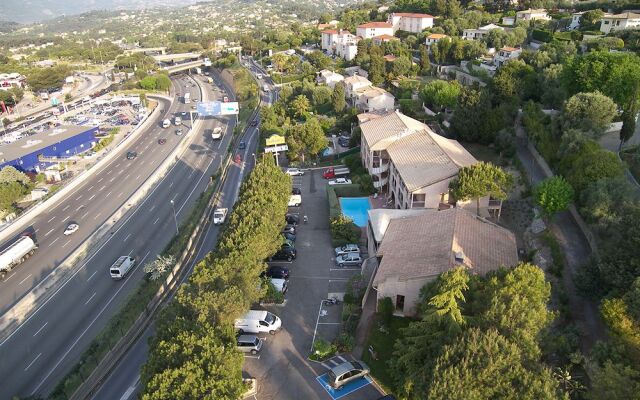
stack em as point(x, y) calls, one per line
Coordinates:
point(184, 66)
point(176, 57)
point(161, 50)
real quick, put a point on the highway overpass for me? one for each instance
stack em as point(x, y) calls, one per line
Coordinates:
point(172, 69)
point(161, 50)
point(176, 57)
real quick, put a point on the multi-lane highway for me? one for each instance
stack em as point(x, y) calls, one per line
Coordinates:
point(43, 348)
point(124, 381)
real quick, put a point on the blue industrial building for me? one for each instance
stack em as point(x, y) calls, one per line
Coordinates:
point(37, 152)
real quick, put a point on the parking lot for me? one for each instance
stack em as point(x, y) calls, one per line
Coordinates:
point(282, 368)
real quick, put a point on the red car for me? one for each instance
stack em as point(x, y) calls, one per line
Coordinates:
point(162, 141)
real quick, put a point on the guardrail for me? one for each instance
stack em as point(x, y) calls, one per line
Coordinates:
point(170, 285)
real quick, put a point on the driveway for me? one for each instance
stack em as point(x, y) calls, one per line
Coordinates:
point(282, 368)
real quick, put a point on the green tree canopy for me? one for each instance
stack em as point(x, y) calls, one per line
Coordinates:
point(442, 94)
point(553, 195)
point(479, 180)
point(337, 99)
point(590, 112)
point(306, 139)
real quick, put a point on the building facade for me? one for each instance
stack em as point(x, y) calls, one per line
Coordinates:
point(373, 29)
point(618, 22)
point(476, 34)
point(410, 22)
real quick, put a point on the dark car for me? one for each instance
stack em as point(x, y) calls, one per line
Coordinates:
point(288, 244)
point(344, 141)
point(296, 190)
point(289, 236)
point(242, 145)
point(290, 229)
point(292, 219)
point(277, 272)
point(254, 123)
point(162, 141)
point(285, 253)
point(131, 155)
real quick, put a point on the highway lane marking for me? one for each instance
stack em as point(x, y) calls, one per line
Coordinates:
point(89, 278)
point(66, 218)
point(152, 207)
point(97, 215)
point(196, 185)
point(92, 196)
point(92, 186)
point(156, 221)
point(109, 193)
point(127, 176)
point(78, 198)
point(137, 177)
point(23, 281)
point(90, 298)
point(52, 218)
point(55, 240)
point(65, 209)
point(36, 231)
point(100, 180)
point(112, 179)
point(129, 391)
point(117, 165)
point(125, 239)
point(31, 363)
point(171, 184)
point(142, 161)
point(121, 171)
point(47, 234)
point(120, 194)
point(69, 241)
point(45, 324)
point(84, 215)
point(102, 188)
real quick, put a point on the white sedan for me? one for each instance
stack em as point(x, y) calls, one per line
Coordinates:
point(340, 181)
point(71, 228)
point(294, 172)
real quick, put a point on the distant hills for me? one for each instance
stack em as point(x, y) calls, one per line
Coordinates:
point(29, 11)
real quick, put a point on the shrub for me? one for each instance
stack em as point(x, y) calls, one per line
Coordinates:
point(385, 310)
point(344, 343)
point(344, 231)
point(323, 349)
point(272, 295)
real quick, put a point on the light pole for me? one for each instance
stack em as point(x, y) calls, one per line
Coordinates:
point(254, 159)
point(175, 219)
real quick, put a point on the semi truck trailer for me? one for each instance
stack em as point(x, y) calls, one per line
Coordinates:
point(16, 253)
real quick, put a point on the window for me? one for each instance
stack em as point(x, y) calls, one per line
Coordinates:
point(400, 303)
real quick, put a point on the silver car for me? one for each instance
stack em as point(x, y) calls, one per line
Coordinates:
point(347, 248)
point(346, 372)
point(249, 344)
point(350, 259)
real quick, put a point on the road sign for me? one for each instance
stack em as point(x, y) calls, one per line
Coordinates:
point(275, 140)
point(276, 149)
point(215, 108)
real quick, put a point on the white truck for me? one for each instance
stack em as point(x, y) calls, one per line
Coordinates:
point(16, 253)
point(187, 98)
point(219, 215)
point(258, 321)
point(121, 267)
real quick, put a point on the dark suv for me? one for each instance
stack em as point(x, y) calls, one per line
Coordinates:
point(285, 253)
point(131, 155)
point(292, 219)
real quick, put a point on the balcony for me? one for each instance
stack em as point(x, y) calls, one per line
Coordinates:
point(380, 182)
point(384, 167)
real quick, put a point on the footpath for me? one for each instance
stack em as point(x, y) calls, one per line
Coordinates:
point(574, 239)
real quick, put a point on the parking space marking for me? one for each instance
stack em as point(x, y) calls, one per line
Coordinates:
point(24, 280)
point(346, 389)
point(90, 188)
point(344, 269)
point(255, 357)
point(137, 177)
point(100, 180)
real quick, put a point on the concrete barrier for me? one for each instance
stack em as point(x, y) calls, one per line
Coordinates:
point(24, 219)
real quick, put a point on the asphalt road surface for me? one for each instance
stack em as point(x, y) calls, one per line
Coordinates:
point(124, 381)
point(47, 344)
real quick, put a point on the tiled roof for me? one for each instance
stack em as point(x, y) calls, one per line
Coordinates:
point(425, 158)
point(413, 15)
point(385, 37)
point(330, 32)
point(372, 92)
point(379, 219)
point(356, 79)
point(533, 11)
point(391, 126)
point(376, 25)
point(426, 245)
point(626, 15)
point(509, 49)
point(437, 36)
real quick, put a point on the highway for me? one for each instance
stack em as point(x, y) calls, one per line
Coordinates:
point(46, 345)
point(124, 381)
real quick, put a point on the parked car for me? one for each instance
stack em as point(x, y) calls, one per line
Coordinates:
point(71, 229)
point(289, 229)
point(292, 219)
point(277, 272)
point(285, 253)
point(294, 172)
point(289, 236)
point(254, 123)
point(350, 259)
point(340, 181)
point(347, 249)
point(296, 190)
point(131, 155)
point(249, 344)
point(288, 244)
point(346, 372)
point(295, 200)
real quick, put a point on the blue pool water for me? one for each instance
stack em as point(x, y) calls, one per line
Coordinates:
point(356, 208)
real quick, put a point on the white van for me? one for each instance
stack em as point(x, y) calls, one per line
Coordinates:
point(178, 121)
point(256, 321)
point(121, 267)
point(295, 200)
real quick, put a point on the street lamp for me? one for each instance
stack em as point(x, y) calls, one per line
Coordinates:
point(175, 219)
point(254, 159)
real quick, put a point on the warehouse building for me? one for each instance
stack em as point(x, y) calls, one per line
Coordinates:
point(37, 152)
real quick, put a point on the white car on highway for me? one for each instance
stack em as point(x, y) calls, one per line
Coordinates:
point(294, 172)
point(71, 228)
point(340, 181)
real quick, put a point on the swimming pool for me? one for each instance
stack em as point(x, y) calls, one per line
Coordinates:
point(356, 208)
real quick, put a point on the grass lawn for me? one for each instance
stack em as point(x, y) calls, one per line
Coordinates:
point(383, 345)
point(483, 153)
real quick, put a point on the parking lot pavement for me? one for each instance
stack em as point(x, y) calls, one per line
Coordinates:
point(282, 368)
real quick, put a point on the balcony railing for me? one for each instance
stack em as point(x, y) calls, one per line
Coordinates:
point(380, 182)
point(384, 167)
point(495, 204)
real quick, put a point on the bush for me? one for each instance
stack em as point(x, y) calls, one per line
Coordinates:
point(322, 349)
point(344, 231)
point(385, 310)
point(345, 342)
point(272, 295)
